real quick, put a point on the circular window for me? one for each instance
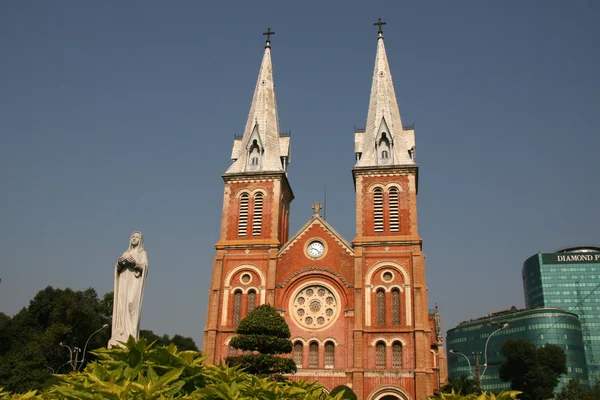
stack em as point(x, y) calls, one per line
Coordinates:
point(387, 276)
point(315, 306)
point(246, 278)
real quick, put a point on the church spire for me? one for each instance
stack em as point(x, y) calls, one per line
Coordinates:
point(384, 140)
point(261, 148)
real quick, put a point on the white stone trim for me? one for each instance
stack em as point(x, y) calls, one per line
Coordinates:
point(369, 289)
point(388, 341)
point(388, 390)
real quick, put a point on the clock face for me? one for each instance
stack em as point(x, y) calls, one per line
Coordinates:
point(315, 249)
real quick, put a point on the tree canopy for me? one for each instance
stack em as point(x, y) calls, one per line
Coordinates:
point(533, 370)
point(263, 334)
point(30, 350)
point(347, 393)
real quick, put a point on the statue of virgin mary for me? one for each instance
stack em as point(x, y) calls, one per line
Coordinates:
point(130, 278)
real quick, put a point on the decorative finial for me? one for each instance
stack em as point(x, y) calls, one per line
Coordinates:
point(380, 23)
point(316, 208)
point(268, 33)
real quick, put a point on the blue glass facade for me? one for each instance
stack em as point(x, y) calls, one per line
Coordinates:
point(540, 326)
point(569, 279)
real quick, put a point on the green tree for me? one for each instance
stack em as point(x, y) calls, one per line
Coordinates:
point(462, 384)
point(574, 391)
point(347, 393)
point(263, 334)
point(182, 342)
point(532, 370)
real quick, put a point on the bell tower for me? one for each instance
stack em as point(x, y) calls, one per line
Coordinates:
point(390, 291)
point(254, 222)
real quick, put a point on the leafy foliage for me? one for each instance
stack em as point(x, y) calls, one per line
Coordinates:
point(460, 384)
point(30, 353)
point(508, 395)
point(182, 342)
point(347, 393)
point(263, 333)
point(143, 371)
point(574, 391)
point(532, 370)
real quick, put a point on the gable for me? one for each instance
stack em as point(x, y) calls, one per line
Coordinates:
point(317, 224)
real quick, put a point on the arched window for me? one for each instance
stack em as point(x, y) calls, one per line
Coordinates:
point(378, 209)
point(298, 350)
point(397, 355)
point(254, 156)
point(394, 218)
point(329, 355)
point(251, 301)
point(396, 306)
point(237, 307)
point(257, 217)
point(384, 154)
point(313, 355)
point(380, 295)
point(384, 149)
point(380, 355)
point(243, 221)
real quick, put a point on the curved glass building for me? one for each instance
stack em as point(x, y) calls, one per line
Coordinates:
point(569, 279)
point(539, 325)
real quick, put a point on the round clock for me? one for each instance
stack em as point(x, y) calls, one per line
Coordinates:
point(315, 249)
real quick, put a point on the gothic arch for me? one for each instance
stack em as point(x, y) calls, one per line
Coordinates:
point(393, 391)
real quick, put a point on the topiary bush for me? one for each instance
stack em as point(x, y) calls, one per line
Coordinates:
point(263, 333)
point(348, 393)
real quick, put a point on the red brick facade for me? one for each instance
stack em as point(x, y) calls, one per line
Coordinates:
point(357, 312)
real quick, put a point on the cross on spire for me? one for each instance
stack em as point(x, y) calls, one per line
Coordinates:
point(380, 23)
point(316, 208)
point(268, 33)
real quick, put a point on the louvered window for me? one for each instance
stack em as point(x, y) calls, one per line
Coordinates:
point(397, 355)
point(329, 355)
point(251, 301)
point(380, 307)
point(395, 306)
point(313, 355)
point(298, 350)
point(394, 218)
point(380, 355)
point(257, 217)
point(378, 210)
point(237, 307)
point(243, 222)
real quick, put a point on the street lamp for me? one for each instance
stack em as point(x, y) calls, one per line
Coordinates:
point(86, 344)
point(467, 358)
point(502, 326)
point(70, 354)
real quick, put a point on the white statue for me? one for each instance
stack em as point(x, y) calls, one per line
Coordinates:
point(130, 278)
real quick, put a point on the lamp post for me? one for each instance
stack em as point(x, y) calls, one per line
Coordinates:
point(478, 377)
point(70, 354)
point(466, 358)
point(86, 344)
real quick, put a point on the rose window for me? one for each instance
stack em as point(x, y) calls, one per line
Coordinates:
point(315, 307)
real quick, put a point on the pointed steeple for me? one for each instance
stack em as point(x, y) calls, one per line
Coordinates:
point(384, 140)
point(261, 148)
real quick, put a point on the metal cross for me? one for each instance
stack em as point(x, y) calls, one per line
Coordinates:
point(380, 23)
point(316, 208)
point(269, 33)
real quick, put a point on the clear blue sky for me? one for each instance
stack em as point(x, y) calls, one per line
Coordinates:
point(120, 116)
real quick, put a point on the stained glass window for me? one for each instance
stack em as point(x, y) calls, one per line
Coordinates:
point(251, 301)
point(396, 306)
point(329, 355)
point(237, 307)
point(313, 355)
point(380, 355)
point(397, 355)
point(380, 307)
point(298, 350)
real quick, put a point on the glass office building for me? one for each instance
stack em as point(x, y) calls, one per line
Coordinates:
point(539, 326)
point(569, 279)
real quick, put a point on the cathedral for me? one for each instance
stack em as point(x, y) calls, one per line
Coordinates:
point(357, 311)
